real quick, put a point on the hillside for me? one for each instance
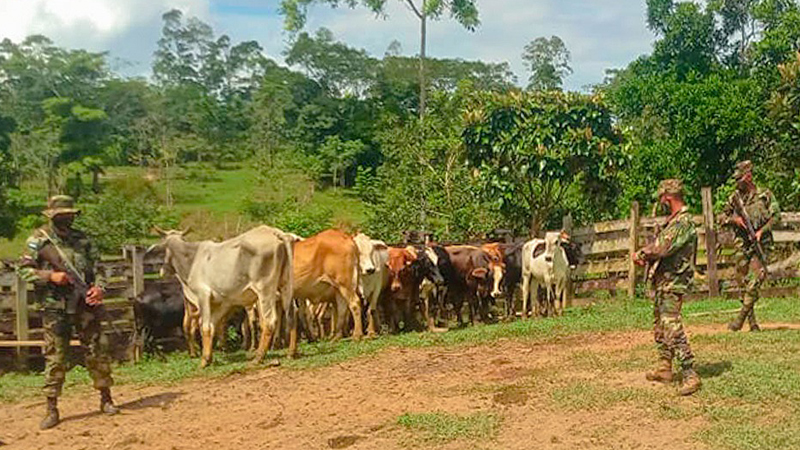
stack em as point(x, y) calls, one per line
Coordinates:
point(219, 203)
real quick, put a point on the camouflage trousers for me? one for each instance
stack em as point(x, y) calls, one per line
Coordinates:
point(58, 327)
point(748, 271)
point(670, 337)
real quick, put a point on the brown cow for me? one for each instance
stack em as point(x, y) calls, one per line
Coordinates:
point(472, 280)
point(402, 295)
point(326, 271)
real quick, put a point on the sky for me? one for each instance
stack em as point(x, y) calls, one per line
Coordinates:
point(600, 34)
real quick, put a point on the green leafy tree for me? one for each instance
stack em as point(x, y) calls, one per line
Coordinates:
point(464, 12)
point(6, 215)
point(530, 149)
point(548, 62)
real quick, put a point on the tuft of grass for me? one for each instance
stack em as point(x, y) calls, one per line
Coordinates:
point(440, 427)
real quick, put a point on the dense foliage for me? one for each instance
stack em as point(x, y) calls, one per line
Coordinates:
point(721, 84)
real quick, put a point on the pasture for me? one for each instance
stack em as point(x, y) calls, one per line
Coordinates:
point(570, 382)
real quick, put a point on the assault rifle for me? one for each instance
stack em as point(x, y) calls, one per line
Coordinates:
point(650, 267)
point(741, 211)
point(78, 288)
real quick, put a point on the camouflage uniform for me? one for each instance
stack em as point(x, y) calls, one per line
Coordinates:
point(763, 211)
point(673, 255)
point(672, 279)
point(57, 321)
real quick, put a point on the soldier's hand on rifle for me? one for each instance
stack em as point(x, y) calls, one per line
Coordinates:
point(59, 278)
point(758, 234)
point(94, 296)
point(739, 222)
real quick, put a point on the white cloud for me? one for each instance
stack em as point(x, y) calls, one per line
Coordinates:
point(97, 25)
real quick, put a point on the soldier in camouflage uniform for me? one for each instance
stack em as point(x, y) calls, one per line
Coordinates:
point(764, 212)
point(60, 316)
point(672, 255)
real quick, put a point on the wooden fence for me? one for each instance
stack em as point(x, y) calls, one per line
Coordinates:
point(126, 275)
point(608, 246)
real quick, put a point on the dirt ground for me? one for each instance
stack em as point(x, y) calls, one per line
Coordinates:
point(356, 404)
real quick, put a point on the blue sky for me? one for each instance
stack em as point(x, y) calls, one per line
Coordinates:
point(600, 34)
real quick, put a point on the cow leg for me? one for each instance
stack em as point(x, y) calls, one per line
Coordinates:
point(373, 321)
point(354, 302)
point(526, 293)
point(189, 328)
point(207, 331)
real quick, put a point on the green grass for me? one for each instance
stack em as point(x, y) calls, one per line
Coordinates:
point(440, 427)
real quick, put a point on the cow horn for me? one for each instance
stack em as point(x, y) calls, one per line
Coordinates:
point(186, 231)
point(160, 231)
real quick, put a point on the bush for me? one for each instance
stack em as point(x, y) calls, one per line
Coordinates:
point(124, 214)
point(292, 216)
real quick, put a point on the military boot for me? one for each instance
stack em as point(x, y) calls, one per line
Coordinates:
point(106, 403)
point(738, 322)
point(662, 373)
point(52, 418)
point(691, 382)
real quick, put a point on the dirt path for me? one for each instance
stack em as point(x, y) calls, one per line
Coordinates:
point(356, 404)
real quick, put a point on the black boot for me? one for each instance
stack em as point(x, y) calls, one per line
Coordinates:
point(106, 403)
point(51, 419)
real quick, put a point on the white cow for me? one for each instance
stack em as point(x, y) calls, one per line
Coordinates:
point(373, 256)
point(252, 269)
point(545, 264)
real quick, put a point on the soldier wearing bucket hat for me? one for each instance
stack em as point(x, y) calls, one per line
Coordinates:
point(763, 212)
point(673, 254)
point(51, 252)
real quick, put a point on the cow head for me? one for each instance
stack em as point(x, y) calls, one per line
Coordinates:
point(178, 254)
point(496, 265)
point(429, 265)
point(366, 253)
point(571, 249)
point(401, 265)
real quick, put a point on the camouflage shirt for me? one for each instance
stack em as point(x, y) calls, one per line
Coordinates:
point(761, 206)
point(75, 246)
point(674, 252)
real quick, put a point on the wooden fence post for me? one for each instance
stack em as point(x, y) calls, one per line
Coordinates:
point(634, 245)
point(137, 269)
point(566, 225)
point(711, 242)
point(21, 326)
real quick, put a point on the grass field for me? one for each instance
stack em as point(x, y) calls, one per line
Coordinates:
point(750, 397)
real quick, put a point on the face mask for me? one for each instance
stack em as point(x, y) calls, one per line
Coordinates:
point(63, 222)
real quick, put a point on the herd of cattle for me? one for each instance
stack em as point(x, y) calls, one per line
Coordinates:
point(293, 286)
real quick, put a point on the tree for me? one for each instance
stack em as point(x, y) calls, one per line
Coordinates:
point(781, 157)
point(531, 148)
point(688, 38)
point(6, 217)
point(464, 12)
point(340, 69)
point(548, 62)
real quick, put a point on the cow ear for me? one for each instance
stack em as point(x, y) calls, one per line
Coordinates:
point(379, 245)
point(480, 273)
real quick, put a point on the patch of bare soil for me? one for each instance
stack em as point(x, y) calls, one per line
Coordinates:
point(355, 405)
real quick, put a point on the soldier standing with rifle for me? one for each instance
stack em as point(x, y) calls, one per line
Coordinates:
point(752, 212)
point(60, 261)
point(672, 255)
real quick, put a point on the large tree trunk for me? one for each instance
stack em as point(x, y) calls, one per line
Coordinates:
point(422, 41)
